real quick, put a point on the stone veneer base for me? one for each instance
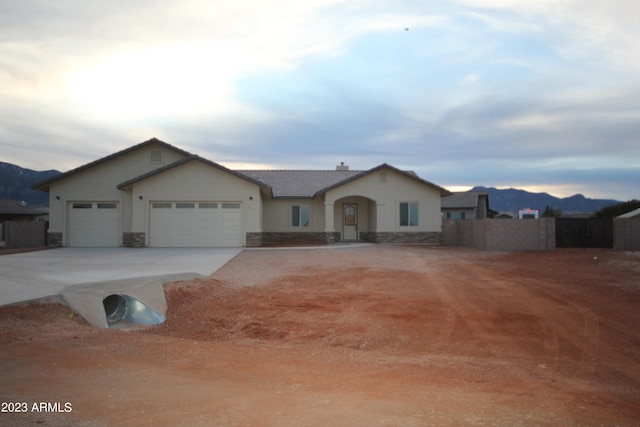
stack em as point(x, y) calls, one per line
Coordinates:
point(133, 239)
point(431, 237)
point(54, 239)
point(291, 238)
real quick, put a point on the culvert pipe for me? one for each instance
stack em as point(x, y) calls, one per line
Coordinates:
point(118, 303)
point(115, 307)
point(120, 307)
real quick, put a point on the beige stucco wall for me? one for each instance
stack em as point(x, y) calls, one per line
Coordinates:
point(196, 181)
point(99, 183)
point(277, 215)
point(387, 196)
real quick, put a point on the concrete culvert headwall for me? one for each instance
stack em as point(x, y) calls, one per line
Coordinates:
point(119, 303)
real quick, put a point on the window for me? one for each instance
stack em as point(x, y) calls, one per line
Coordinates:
point(185, 205)
point(231, 206)
point(300, 215)
point(82, 206)
point(456, 215)
point(162, 206)
point(409, 214)
point(107, 206)
point(382, 177)
point(208, 206)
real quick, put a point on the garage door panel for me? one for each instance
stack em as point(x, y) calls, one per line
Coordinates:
point(232, 218)
point(94, 224)
point(196, 224)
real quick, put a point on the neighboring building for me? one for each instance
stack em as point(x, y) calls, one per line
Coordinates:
point(505, 215)
point(15, 211)
point(528, 213)
point(466, 205)
point(632, 214)
point(155, 194)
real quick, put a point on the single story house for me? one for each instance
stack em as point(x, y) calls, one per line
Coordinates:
point(21, 225)
point(467, 205)
point(156, 194)
point(16, 210)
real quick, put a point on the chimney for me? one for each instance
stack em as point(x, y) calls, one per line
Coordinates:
point(342, 167)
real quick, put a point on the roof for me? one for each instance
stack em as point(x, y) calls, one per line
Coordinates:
point(17, 207)
point(299, 183)
point(311, 183)
point(191, 157)
point(281, 183)
point(462, 200)
point(44, 185)
point(634, 213)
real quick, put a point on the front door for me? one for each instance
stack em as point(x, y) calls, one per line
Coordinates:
point(350, 222)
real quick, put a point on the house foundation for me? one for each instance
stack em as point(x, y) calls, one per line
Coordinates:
point(134, 239)
point(54, 239)
point(431, 237)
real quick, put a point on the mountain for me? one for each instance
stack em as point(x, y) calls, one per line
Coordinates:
point(512, 200)
point(16, 182)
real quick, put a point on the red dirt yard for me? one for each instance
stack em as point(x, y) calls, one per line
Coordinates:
point(383, 335)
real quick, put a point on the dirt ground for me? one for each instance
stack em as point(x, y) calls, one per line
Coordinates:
point(384, 335)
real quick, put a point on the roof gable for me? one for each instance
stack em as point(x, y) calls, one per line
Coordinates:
point(188, 159)
point(410, 175)
point(311, 183)
point(44, 185)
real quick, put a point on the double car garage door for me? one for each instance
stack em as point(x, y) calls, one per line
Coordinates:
point(172, 224)
point(196, 224)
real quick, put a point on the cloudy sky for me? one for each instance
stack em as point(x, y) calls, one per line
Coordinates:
point(542, 95)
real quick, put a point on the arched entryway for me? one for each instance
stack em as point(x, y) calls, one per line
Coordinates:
point(354, 217)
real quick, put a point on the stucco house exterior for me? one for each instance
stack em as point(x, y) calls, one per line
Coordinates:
point(156, 194)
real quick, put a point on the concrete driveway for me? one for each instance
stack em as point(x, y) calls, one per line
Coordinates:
point(35, 275)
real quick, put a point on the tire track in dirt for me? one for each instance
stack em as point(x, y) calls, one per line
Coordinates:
point(501, 295)
point(448, 319)
point(578, 327)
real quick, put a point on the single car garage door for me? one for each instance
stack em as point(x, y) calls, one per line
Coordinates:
point(196, 224)
point(94, 224)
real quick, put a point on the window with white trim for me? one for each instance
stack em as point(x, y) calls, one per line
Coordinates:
point(409, 214)
point(300, 215)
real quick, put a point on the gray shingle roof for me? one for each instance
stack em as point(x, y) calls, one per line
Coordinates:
point(16, 207)
point(299, 183)
point(467, 199)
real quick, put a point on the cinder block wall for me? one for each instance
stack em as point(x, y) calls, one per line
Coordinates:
point(501, 234)
point(626, 234)
point(24, 234)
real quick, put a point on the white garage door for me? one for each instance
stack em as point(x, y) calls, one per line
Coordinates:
point(94, 224)
point(196, 224)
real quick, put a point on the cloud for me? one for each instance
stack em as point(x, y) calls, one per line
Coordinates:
point(476, 90)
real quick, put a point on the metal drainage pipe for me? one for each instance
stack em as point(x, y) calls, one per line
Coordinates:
point(115, 307)
point(118, 307)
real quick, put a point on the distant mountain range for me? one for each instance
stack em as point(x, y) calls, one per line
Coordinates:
point(16, 182)
point(512, 200)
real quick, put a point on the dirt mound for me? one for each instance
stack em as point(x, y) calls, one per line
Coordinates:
point(381, 335)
